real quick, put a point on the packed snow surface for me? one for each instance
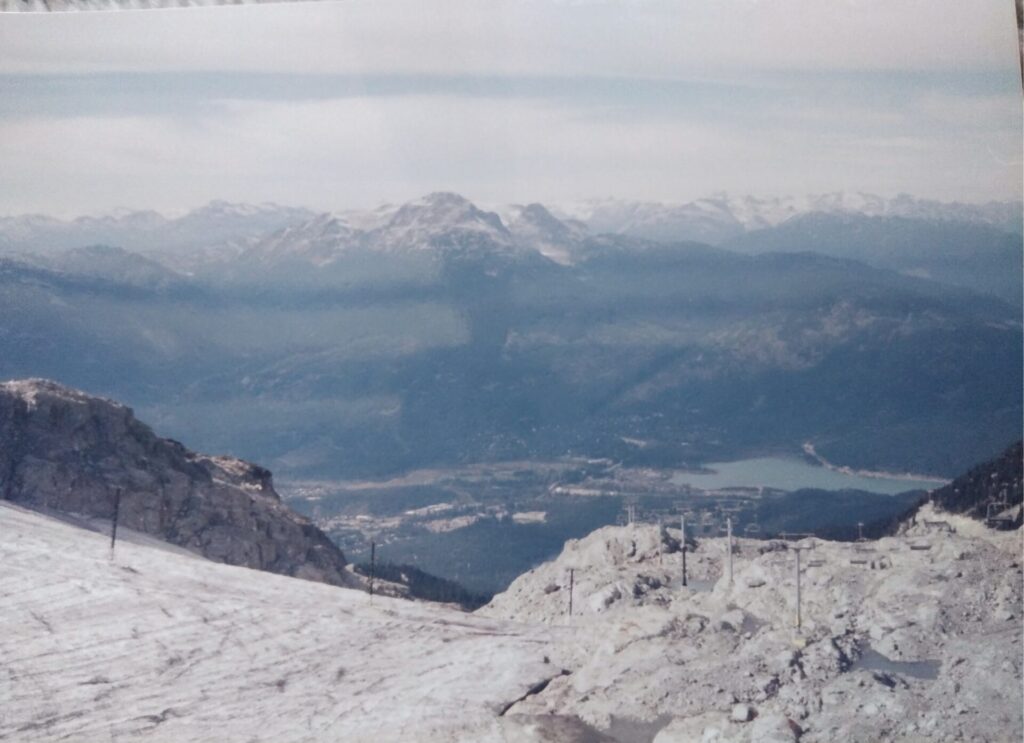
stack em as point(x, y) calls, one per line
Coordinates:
point(158, 645)
point(911, 638)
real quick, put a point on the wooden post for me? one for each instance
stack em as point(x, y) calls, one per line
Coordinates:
point(572, 580)
point(728, 526)
point(799, 618)
point(661, 528)
point(117, 510)
point(373, 563)
point(682, 529)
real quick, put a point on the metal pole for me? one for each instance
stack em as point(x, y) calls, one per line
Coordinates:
point(117, 510)
point(682, 528)
point(798, 616)
point(728, 526)
point(373, 563)
point(860, 531)
point(572, 578)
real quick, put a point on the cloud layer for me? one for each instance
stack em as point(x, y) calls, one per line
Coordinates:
point(338, 104)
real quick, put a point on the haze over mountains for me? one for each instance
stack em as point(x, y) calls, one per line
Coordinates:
point(715, 220)
point(887, 332)
point(721, 217)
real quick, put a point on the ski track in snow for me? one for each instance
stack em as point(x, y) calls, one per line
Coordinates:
point(157, 645)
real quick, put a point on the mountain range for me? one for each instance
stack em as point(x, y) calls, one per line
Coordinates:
point(718, 218)
point(438, 332)
point(715, 220)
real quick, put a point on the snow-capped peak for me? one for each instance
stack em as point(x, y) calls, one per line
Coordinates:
point(721, 216)
point(441, 211)
point(442, 220)
point(230, 209)
point(318, 241)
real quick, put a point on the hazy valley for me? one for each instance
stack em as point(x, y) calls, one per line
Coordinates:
point(437, 333)
point(440, 378)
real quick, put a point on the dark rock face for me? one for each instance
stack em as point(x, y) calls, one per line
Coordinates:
point(64, 450)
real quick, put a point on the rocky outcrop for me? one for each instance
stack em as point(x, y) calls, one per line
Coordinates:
point(909, 638)
point(64, 450)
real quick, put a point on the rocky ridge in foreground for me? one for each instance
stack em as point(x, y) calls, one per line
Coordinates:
point(64, 451)
point(901, 639)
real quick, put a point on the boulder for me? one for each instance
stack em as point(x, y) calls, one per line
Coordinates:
point(773, 728)
point(742, 713)
point(732, 621)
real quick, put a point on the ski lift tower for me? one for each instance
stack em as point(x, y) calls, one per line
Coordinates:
point(685, 517)
point(797, 549)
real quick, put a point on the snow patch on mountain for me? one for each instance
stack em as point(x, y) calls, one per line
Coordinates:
point(534, 227)
point(319, 241)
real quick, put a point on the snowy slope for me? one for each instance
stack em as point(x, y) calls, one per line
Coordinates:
point(160, 645)
point(897, 644)
point(534, 227)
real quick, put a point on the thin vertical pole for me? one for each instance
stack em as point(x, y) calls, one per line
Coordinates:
point(572, 580)
point(799, 618)
point(682, 528)
point(728, 526)
point(117, 511)
point(661, 527)
point(373, 564)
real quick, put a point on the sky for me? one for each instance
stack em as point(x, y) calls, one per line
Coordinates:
point(335, 105)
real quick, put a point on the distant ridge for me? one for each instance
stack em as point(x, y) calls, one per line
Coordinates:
point(992, 491)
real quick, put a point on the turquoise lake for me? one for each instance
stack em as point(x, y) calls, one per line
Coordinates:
point(786, 473)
